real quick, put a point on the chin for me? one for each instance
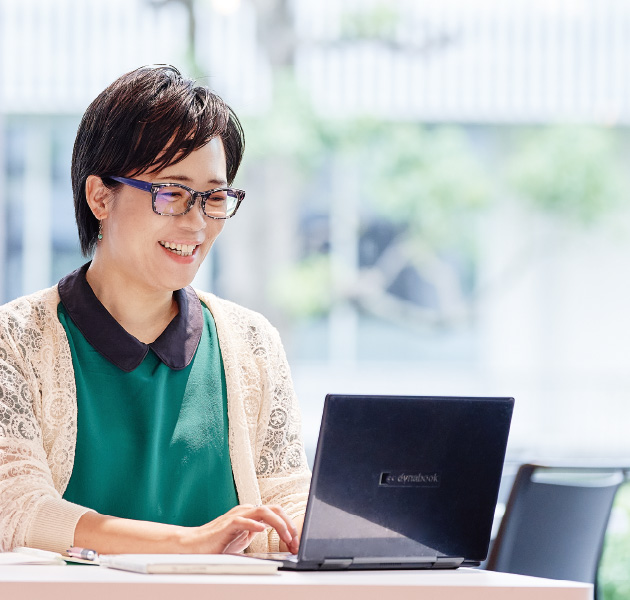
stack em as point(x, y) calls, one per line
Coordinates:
point(175, 281)
point(179, 283)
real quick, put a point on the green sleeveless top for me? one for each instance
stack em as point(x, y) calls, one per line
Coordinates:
point(152, 442)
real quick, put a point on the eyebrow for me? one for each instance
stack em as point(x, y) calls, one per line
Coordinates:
point(188, 180)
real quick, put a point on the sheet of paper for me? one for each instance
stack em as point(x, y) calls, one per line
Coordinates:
point(29, 556)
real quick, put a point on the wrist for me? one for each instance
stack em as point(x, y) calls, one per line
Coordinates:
point(183, 540)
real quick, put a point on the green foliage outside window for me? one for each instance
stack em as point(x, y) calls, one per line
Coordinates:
point(614, 570)
point(573, 172)
point(433, 182)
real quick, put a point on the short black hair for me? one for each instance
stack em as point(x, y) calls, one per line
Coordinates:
point(145, 120)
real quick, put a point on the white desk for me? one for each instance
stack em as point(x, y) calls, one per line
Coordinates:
point(98, 583)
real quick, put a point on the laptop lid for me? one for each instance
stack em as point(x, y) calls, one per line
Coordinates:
point(405, 479)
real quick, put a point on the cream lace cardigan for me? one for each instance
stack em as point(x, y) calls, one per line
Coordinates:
point(38, 420)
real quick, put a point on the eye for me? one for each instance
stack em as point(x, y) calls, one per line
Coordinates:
point(172, 194)
point(218, 197)
point(171, 200)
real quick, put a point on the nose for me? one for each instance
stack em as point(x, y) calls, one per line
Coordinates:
point(194, 219)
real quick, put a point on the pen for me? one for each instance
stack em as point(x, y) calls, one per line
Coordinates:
point(83, 553)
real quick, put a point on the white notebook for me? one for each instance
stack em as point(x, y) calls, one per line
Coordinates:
point(216, 564)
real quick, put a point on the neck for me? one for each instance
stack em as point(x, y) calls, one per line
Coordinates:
point(142, 312)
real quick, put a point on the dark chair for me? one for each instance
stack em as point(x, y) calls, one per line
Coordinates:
point(555, 521)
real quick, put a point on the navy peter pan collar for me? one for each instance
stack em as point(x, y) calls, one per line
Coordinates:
point(175, 347)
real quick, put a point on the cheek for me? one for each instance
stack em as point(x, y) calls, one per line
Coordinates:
point(211, 236)
point(132, 222)
point(215, 228)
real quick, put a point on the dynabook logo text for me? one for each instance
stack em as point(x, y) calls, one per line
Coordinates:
point(401, 479)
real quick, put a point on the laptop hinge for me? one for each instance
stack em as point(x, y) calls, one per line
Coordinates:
point(448, 562)
point(425, 561)
point(336, 563)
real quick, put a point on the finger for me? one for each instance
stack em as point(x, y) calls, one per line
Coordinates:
point(288, 520)
point(277, 519)
point(239, 543)
point(246, 524)
point(294, 545)
point(274, 516)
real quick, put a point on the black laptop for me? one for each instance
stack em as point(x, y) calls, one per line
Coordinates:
point(403, 482)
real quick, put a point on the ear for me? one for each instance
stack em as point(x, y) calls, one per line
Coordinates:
point(98, 197)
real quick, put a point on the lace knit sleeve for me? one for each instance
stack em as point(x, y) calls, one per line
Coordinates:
point(281, 455)
point(282, 470)
point(22, 478)
point(35, 429)
point(266, 447)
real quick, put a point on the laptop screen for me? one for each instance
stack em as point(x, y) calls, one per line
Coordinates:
point(401, 478)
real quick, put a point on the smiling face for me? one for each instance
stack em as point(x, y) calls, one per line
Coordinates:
point(141, 249)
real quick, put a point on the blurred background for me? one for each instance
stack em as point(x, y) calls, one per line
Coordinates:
point(437, 193)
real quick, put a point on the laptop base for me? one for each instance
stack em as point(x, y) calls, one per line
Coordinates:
point(290, 562)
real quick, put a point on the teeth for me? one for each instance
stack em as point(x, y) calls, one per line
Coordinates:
point(179, 249)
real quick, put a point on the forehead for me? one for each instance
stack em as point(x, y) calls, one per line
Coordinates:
point(207, 163)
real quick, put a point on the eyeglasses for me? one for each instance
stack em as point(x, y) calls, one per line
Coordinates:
point(174, 199)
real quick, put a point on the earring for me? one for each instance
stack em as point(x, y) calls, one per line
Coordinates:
point(100, 230)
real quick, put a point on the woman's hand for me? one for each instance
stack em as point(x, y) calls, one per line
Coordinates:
point(234, 531)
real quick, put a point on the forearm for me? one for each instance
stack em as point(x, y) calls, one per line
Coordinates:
point(231, 532)
point(113, 535)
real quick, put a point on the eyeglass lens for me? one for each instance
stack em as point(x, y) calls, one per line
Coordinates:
point(175, 201)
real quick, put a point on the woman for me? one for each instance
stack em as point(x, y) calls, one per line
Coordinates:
point(136, 414)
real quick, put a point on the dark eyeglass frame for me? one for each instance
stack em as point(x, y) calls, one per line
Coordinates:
point(154, 188)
